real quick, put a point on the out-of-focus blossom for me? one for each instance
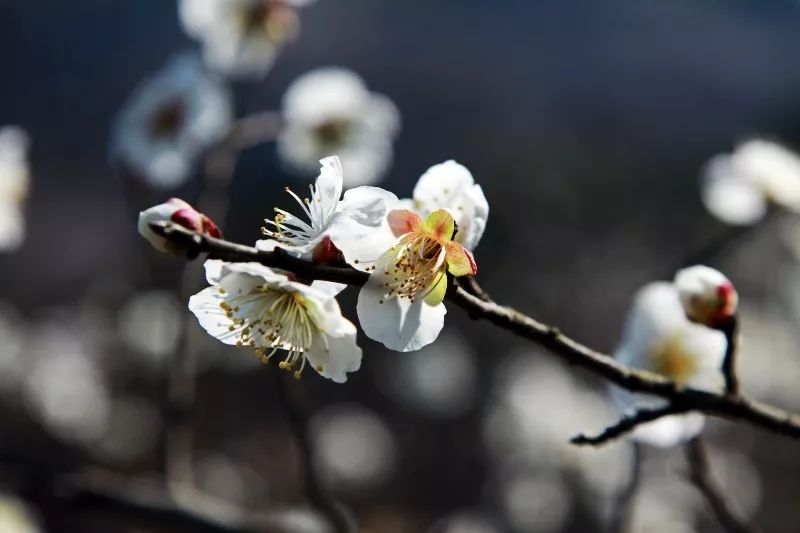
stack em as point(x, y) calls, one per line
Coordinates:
point(169, 121)
point(355, 224)
point(241, 38)
point(14, 185)
point(353, 448)
point(67, 391)
point(225, 477)
point(179, 212)
point(464, 521)
point(534, 503)
point(440, 380)
point(738, 187)
point(401, 305)
point(16, 516)
point(707, 296)
point(251, 305)
point(664, 505)
point(132, 429)
point(451, 186)
point(330, 111)
point(150, 324)
point(660, 338)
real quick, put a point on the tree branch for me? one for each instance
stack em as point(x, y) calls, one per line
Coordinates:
point(700, 475)
point(681, 398)
point(628, 423)
point(731, 331)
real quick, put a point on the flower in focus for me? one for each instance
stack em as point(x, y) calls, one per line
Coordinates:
point(16, 516)
point(14, 184)
point(451, 186)
point(707, 296)
point(241, 38)
point(401, 303)
point(330, 111)
point(249, 304)
point(737, 188)
point(169, 121)
point(658, 337)
point(349, 224)
point(179, 212)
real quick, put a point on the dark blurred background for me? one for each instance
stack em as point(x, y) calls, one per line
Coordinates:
point(586, 123)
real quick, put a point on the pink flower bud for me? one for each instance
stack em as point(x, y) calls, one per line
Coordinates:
point(708, 297)
point(326, 252)
point(179, 212)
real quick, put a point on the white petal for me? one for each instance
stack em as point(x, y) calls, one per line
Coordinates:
point(670, 430)
point(731, 197)
point(441, 184)
point(336, 355)
point(368, 205)
point(398, 324)
point(205, 306)
point(329, 186)
point(213, 269)
point(328, 287)
point(775, 168)
point(360, 229)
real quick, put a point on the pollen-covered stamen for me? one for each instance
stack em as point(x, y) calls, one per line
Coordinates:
point(413, 266)
point(269, 320)
point(293, 231)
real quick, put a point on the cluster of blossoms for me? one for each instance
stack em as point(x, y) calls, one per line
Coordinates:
point(410, 248)
point(673, 329)
point(14, 184)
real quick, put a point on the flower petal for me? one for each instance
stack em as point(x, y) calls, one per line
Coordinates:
point(402, 221)
point(329, 185)
point(459, 260)
point(334, 356)
point(205, 306)
point(729, 196)
point(441, 224)
point(397, 323)
point(367, 205)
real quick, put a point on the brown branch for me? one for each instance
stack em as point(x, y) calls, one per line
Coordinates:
point(700, 475)
point(573, 352)
point(627, 424)
point(731, 331)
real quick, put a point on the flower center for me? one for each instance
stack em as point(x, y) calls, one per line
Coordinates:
point(413, 266)
point(673, 361)
point(274, 18)
point(332, 132)
point(271, 319)
point(167, 121)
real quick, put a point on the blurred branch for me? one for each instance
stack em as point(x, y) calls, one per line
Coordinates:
point(628, 423)
point(245, 133)
point(298, 416)
point(700, 475)
point(680, 398)
point(731, 331)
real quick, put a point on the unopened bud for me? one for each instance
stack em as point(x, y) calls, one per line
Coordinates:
point(178, 212)
point(708, 297)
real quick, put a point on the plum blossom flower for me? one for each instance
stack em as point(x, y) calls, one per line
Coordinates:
point(707, 296)
point(249, 304)
point(737, 188)
point(241, 38)
point(330, 111)
point(14, 185)
point(179, 212)
point(169, 121)
point(660, 338)
point(451, 186)
point(401, 303)
point(354, 224)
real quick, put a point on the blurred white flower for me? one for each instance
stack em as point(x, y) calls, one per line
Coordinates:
point(330, 111)
point(67, 391)
point(16, 516)
point(353, 448)
point(223, 476)
point(536, 504)
point(241, 38)
point(14, 185)
point(660, 338)
point(150, 324)
point(179, 212)
point(451, 186)
point(707, 296)
point(737, 188)
point(251, 305)
point(169, 121)
point(463, 521)
point(440, 380)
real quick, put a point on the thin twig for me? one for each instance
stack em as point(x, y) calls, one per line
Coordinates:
point(700, 475)
point(627, 424)
point(635, 380)
point(731, 331)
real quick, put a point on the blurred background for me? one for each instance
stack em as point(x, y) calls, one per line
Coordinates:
point(587, 124)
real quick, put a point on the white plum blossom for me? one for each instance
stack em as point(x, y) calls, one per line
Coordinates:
point(179, 212)
point(707, 296)
point(401, 305)
point(14, 185)
point(658, 337)
point(451, 186)
point(249, 304)
point(738, 187)
point(169, 121)
point(355, 224)
point(241, 38)
point(330, 111)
